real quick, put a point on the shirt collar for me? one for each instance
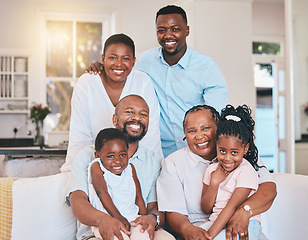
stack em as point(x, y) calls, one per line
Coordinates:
point(195, 160)
point(140, 154)
point(183, 62)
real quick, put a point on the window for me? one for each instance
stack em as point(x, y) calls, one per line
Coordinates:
point(71, 46)
point(266, 48)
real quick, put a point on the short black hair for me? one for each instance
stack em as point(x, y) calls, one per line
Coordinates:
point(120, 38)
point(172, 9)
point(106, 135)
point(215, 114)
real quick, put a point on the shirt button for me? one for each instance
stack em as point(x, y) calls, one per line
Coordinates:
point(170, 112)
point(177, 140)
point(168, 99)
point(174, 125)
point(167, 84)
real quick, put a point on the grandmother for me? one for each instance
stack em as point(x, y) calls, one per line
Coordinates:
point(179, 185)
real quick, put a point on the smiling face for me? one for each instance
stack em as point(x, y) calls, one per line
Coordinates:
point(230, 151)
point(200, 129)
point(171, 34)
point(118, 62)
point(114, 156)
point(132, 118)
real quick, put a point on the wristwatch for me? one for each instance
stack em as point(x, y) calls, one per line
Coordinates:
point(157, 219)
point(247, 208)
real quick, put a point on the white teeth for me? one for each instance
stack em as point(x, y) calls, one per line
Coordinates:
point(116, 168)
point(135, 126)
point(202, 144)
point(170, 43)
point(228, 164)
point(118, 71)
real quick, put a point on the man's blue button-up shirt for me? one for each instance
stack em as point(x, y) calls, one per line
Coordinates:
point(194, 80)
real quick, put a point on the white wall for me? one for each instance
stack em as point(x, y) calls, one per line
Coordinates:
point(20, 27)
point(300, 20)
point(220, 29)
point(223, 32)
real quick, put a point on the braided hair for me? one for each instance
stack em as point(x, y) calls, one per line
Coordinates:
point(238, 122)
point(215, 114)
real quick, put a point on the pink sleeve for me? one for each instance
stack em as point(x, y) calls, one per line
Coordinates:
point(207, 174)
point(247, 177)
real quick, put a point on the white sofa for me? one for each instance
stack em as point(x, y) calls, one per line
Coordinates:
point(40, 212)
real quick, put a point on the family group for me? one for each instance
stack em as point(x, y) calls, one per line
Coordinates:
point(154, 150)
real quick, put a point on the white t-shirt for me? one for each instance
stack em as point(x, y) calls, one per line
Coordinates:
point(92, 111)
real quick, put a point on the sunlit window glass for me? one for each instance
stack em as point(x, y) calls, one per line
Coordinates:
point(59, 62)
point(266, 48)
point(88, 45)
point(71, 47)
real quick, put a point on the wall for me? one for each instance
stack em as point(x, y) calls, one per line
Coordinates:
point(220, 29)
point(21, 33)
point(300, 30)
point(223, 32)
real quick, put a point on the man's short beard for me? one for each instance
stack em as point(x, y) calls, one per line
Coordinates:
point(129, 137)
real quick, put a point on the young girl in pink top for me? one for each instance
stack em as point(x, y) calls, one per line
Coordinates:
point(232, 178)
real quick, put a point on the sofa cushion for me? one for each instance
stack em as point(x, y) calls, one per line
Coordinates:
point(287, 217)
point(39, 209)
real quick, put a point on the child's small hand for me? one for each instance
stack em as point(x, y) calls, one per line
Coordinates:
point(219, 174)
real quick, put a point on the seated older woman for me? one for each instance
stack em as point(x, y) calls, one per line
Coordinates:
point(179, 186)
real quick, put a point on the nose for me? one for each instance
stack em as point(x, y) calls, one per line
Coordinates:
point(227, 157)
point(116, 159)
point(168, 33)
point(118, 62)
point(199, 135)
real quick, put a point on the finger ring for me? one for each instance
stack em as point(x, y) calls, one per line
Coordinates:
point(242, 234)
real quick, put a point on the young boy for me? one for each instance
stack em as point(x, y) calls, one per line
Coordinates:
point(120, 194)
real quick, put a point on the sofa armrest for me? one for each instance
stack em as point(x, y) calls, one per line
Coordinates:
point(287, 217)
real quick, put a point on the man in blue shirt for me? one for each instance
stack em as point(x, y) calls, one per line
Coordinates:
point(182, 77)
point(132, 118)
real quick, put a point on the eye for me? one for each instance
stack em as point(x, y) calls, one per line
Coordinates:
point(222, 151)
point(112, 57)
point(205, 128)
point(161, 31)
point(191, 131)
point(129, 112)
point(122, 155)
point(110, 156)
point(126, 59)
point(234, 153)
point(175, 29)
point(143, 114)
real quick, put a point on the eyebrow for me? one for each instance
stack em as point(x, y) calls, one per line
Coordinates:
point(127, 108)
point(176, 25)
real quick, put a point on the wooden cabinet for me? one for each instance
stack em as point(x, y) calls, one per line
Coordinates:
point(14, 79)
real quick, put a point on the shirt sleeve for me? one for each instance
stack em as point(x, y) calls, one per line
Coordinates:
point(207, 174)
point(247, 177)
point(264, 174)
point(170, 192)
point(215, 92)
point(152, 197)
point(152, 140)
point(80, 134)
point(79, 177)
